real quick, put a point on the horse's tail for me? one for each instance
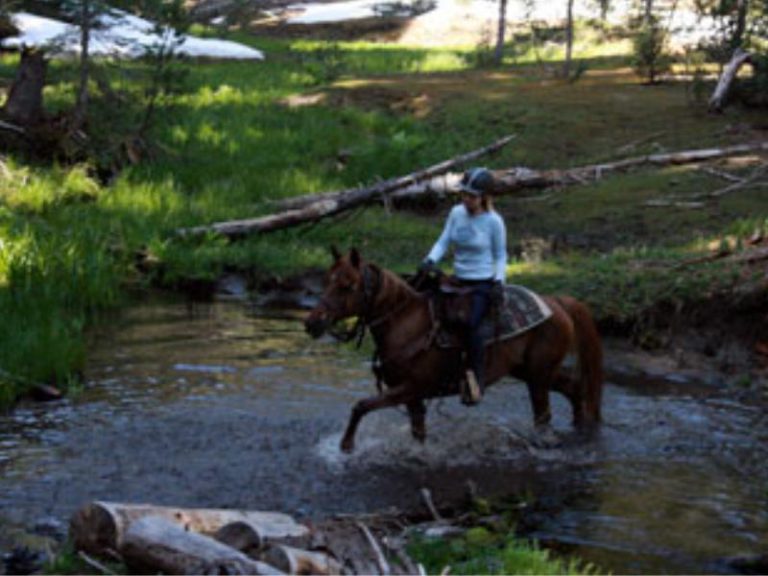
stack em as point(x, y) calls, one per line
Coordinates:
point(589, 350)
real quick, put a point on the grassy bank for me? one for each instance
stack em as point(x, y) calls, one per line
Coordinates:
point(319, 116)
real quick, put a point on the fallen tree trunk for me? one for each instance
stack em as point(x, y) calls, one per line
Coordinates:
point(153, 544)
point(719, 96)
point(410, 187)
point(308, 209)
point(100, 527)
point(392, 184)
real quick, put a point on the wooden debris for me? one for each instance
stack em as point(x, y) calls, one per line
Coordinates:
point(156, 539)
point(242, 536)
point(155, 544)
point(296, 561)
point(95, 564)
point(426, 495)
point(380, 558)
point(101, 526)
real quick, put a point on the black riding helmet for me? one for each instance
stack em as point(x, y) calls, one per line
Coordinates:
point(477, 181)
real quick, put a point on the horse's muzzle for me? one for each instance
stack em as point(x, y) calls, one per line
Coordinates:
point(316, 323)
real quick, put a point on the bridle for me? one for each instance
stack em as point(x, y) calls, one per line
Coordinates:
point(371, 287)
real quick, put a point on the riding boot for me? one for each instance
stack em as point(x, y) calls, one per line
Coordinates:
point(475, 382)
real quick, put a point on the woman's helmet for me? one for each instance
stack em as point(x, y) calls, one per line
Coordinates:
point(477, 181)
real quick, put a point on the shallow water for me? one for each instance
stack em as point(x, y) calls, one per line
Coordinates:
point(223, 406)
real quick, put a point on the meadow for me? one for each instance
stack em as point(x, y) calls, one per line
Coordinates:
point(325, 115)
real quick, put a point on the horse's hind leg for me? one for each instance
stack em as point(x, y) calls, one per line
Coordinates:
point(569, 388)
point(391, 397)
point(417, 412)
point(538, 391)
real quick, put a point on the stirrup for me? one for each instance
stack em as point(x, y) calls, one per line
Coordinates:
point(471, 393)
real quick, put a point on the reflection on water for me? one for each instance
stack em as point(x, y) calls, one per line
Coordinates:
point(219, 406)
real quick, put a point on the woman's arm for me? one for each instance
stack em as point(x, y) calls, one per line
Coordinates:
point(499, 247)
point(444, 241)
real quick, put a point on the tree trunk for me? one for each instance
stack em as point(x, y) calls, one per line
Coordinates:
point(499, 54)
point(81, 106)
point(101, 526)
point(568, 40)
point(720, 95)
point(742, 7)
point(155, 544)
point(648, 12)
point(24, 106)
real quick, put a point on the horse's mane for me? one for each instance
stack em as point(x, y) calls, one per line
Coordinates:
point(391, 281)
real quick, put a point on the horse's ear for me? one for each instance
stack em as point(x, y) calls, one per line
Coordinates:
point(354, 257)
point(335, 253)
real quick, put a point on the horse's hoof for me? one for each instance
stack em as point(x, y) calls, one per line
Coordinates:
point(347, 446)
point(419, 435)
point(546, 437)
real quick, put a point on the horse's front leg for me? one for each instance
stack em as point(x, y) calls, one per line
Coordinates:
point(418, 411)
point(391, 397)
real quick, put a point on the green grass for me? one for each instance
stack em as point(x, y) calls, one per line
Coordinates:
point(233, 141)
point(480, 551)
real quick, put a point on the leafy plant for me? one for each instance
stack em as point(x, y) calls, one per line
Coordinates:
point(649, 50)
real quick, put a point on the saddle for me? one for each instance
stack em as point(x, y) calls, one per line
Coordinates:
point(520, 310)
point(453, 303)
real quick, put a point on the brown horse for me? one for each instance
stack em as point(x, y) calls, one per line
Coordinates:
point(412, 367)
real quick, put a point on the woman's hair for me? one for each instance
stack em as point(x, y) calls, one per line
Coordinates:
point(486, 202)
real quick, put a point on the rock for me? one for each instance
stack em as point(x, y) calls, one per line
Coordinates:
point(751, 564)
point(50, 527)
point(23, 560)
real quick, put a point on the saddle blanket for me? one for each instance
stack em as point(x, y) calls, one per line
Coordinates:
point(522, 310)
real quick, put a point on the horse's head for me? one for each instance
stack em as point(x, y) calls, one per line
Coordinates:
point(344, 295)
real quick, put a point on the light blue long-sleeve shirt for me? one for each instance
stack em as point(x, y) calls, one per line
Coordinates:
point(479, 241)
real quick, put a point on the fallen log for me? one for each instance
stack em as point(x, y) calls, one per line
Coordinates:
point(100, 527)
point(315, 207)
point(388, 186)
point(506, 182)
point(719, 96)
point(153, 544)
point(242, 536)
point(296, 561)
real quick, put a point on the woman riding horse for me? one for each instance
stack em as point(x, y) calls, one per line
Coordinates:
point(403, 325)
point(479, 238)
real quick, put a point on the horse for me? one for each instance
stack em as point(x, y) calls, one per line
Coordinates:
point(402, 322)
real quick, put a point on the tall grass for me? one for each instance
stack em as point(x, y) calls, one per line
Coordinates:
point(58, 269)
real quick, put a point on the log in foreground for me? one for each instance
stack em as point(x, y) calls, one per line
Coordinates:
point(100, 527)
point(296, 561)
point(508, 181)
point(154, 544)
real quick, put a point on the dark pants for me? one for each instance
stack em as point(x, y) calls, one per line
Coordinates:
point(481, 300)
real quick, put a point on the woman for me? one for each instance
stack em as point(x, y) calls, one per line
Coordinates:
point(479, 238)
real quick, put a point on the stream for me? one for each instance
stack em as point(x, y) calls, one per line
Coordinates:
point(225, 405)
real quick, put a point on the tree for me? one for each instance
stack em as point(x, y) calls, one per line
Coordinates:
point(649, 50)
point(499, 53)
point(568, 39)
